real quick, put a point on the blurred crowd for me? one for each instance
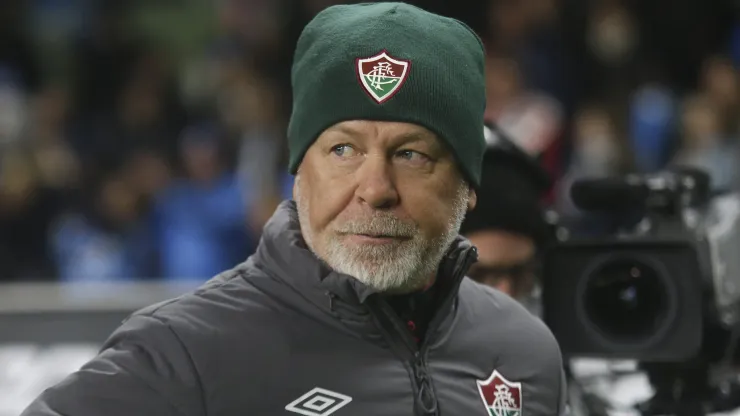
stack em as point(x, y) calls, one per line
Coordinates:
point(145, 139)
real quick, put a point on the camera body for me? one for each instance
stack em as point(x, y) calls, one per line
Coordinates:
point(632, 298)
point(654, 288)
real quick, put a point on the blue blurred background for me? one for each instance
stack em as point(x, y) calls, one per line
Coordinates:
point(145, 139)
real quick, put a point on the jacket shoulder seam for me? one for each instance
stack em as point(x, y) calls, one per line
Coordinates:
point(214, 286)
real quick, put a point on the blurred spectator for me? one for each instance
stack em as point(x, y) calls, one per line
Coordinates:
point(680, 40)
point(720, 83)
point(704, 144)
point(104, 240)
point(261, 136)
point(27, 209)
point(202, 218)
point(609, 38)
point(612, 33)
point(508, 226)
point(531, 32)
point(17, 59)
point(47, 135)
point(532, 119)
point(252, 24)
point(103, 57)
point(39, 174)
point(735, 44)
point(598, 151)
point(148, 172)
point(254, 29)
point(248, 108)
point(145, 113)
point(510, 21)
point(651, 126)
point(503, 85)
point(13, 108)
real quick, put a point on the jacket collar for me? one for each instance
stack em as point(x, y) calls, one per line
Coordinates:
point(283, 254)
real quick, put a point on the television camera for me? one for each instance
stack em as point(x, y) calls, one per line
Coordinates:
point(662, 287)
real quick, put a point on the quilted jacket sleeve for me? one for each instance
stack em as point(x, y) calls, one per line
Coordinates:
point(143, 369)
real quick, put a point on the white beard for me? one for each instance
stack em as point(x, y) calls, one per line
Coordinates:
point(400, 267)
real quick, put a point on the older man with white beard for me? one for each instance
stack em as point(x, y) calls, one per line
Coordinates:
point(361, 227)
point(356, 301)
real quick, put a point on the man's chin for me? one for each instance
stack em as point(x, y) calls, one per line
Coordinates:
point(386, 278)
point(385, 267)
point(388, 284)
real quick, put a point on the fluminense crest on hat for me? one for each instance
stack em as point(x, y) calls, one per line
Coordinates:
point(382, 75)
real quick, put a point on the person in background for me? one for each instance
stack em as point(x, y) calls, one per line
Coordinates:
point(105, 239)
point(38, 176)
point(260, 135)
point(148, 172)
point(651, 125)
point(531, 118)
point(598, 152)
point(508, 226)
point(27, 210)
point(201, 220)
point(720, 82)
point(705, 146)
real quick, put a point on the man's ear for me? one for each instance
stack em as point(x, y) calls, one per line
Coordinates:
point(472, 199)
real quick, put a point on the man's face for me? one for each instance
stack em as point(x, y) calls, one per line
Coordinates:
point(381, 201)
point(504, 261)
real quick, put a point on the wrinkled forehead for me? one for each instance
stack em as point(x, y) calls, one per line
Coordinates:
point(382, 133)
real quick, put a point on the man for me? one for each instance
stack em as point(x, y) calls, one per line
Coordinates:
point(355, 301)
point(508, 226)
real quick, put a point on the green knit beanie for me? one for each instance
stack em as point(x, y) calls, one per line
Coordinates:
point(390, 62)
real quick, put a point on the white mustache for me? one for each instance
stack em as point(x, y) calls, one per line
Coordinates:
point(379, 225)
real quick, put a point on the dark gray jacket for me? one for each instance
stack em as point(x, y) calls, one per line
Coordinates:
point(281, 334)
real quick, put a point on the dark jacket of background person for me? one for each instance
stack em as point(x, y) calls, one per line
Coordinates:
point(255, 339)
point(509, 226)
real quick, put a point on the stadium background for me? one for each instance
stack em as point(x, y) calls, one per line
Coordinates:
point(142, 141)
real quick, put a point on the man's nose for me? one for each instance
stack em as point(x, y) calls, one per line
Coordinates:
point(376, 184)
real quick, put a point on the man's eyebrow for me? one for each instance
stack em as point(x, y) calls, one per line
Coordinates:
point(413, 137)
point(344, 129)
point(400, 140)
point(418, 137)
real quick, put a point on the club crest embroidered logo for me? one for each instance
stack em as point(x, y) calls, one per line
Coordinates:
point(382, 75)
point(500, 396)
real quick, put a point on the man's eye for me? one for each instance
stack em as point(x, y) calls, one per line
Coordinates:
point(342, 150)
point(412, 156)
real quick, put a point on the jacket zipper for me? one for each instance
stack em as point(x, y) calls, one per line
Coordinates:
point(425, 402)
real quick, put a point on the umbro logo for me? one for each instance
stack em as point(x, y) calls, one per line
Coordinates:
point(318, 402)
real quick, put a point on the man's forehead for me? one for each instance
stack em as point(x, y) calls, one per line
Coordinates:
point(392, 132)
